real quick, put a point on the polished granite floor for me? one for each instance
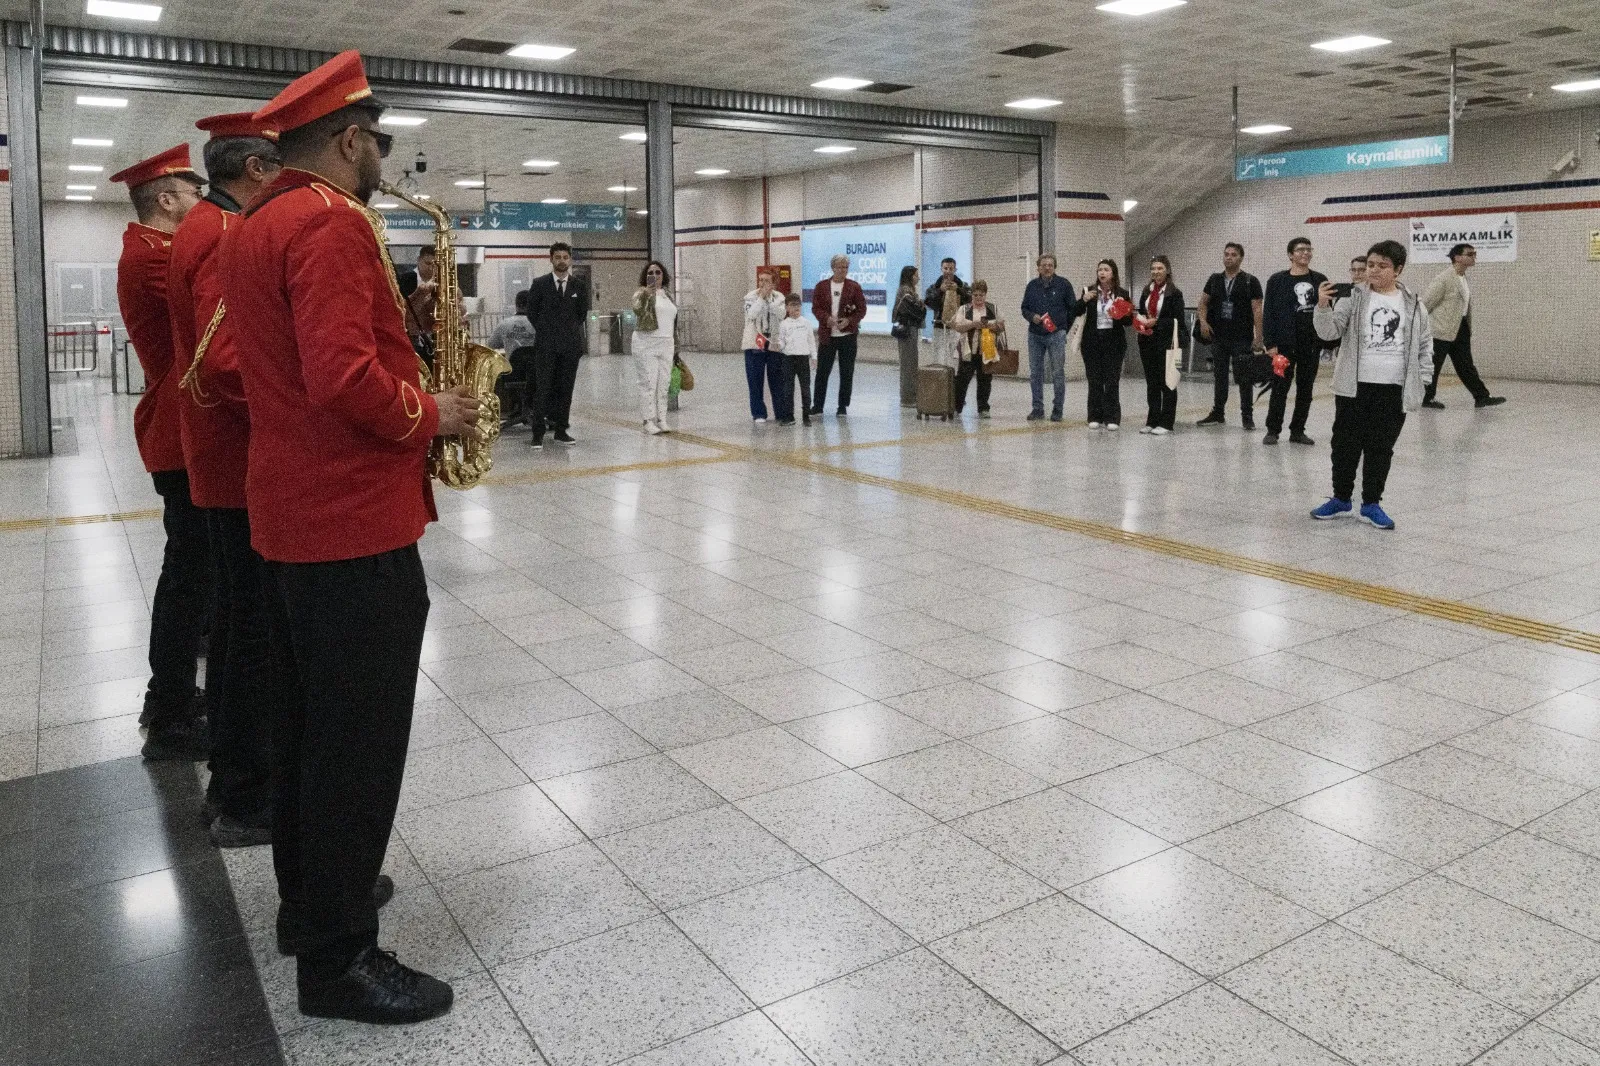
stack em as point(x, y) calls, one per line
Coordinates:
point(725, 753)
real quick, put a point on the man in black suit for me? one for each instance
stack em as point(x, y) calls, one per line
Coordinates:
point(558, 308)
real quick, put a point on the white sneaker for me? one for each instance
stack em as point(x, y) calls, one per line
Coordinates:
point(652, 428)
point(761, 421)
point(1094, 425)
point(660, 428)
point(1160, 431)
point(1111, 425)
point(1147, 429)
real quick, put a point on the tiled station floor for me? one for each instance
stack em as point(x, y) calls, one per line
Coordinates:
point(739, 747)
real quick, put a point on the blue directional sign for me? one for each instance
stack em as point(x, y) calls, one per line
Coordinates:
point(1379, 155)
point(523, 217)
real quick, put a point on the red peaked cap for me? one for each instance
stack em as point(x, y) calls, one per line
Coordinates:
point(235, 124)
point(174, 160)
point(339, 82)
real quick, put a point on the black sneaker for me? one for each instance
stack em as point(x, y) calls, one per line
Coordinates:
point(183, 741)
point(564, 438)
point(1035, 416)
point(840, 413)
point(230, 832)
point(1249, 425)
point(288, 925)
point(1215, 418)
point(1270, 438)
point(1491, 401)
point(536, 442)
point(807, 419)
point(983, 412)
point(1434, 404)
point(378, 989)
point(1055, 416)
point(1300, 438)
point(787, 421)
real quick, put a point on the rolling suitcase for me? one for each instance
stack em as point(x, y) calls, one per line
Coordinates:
point(936, 391)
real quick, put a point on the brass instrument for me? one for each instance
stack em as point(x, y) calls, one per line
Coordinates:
point(459, 462)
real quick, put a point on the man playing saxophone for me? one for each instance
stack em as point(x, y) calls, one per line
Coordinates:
point(338, 498)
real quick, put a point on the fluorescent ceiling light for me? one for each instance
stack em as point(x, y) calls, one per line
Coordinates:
point(834, 149)
point(554, 200)
point(386, 205)
point(469, 183)
point(1138, 7)
point(113, 9)
point(1588, 86)
point(842, 84)
point(1034, 103)
point(622, 188)
point(401, 120)
point(84, 168)
point(1129, 205)
point(102, 101)
point(74, 196)
point(541, 164)
point(716, 172)
point(635, 135)
point(1351, 44)
point(92, 142)
point(80, 188)
point(1265, 128)
point(540, 51)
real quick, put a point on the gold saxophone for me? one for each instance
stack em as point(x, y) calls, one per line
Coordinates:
point(459, 462)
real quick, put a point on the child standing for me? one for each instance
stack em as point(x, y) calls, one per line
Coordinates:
point(798, 342)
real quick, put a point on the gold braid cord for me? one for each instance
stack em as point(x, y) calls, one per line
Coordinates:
point(191, 377)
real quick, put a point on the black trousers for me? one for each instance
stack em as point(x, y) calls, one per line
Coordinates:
point(554, 374)
point(1302, 373)
point(1459, 352)
point(183, 595)
point(1226, 353)
point(1102, 366)
point(844, 350)
point(970, 366)
point(1162, 401)
point(347, 638)
point(1365, 427)
point(796, 372)
point(239, 665)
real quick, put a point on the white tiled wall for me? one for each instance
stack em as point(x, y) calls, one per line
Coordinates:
point(10, 382)
point(1535, 319)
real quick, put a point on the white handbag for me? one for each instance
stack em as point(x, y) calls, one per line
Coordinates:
point(1174, 360)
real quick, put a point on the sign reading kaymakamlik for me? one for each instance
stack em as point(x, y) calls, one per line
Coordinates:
point(1494, 237)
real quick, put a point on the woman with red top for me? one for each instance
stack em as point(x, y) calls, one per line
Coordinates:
point(1160, 323)
point(1105, 342)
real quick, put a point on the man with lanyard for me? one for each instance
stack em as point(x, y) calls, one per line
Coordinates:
point(163, 189)
point(1229, 318)
point(241, 159)
point(1048, 305)
point(338, 496)
point(1287, 312)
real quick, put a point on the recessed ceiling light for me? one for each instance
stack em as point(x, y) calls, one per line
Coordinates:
point(92, 142)
point(842, 84)
point(113, 9)
point(635, 135)
point(541, 164)
point(541, 51)
point(80, 188)
point(554, 200)
point(470, 183)
point(1129, 205)
point(1351, 44)
point(75, 196)
point(1588, 86)
point(102, 101)
point(834, 149)
point(401, 120)
point(1034, 103)
point(642, 211)
point(1265, 128)
point(386, 205)
point(717, 172)
point(84, 168)
point(622, 188)
point(1138, 7)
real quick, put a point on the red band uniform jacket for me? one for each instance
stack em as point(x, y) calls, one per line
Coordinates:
point(215, 421)
point(339, 424)
point(142, 299)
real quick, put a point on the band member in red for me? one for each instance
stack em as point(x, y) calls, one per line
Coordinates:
point(163, 189)
point(241, 159)
point(338, 496)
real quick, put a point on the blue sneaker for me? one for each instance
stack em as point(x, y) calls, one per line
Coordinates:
point(1332, 509)
point(1374, 514)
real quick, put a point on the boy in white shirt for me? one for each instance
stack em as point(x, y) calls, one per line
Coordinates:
point(798, 342)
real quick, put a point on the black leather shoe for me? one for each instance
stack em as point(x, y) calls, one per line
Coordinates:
point(1270, 438)
point(229, 832)
point(380, 990)
point(1215, 418)
point(1300, 438)
point(1491, 401)
point(288, 931)
point(563, 437)
point(184, 741)
point(1435, 404)
point(1249, 425)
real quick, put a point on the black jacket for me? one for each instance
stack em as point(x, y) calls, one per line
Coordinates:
point(1096, 339)
point(559, 325)
point(934, 298)
point(1171, 311)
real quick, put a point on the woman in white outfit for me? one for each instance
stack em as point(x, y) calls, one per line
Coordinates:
point(656, 314)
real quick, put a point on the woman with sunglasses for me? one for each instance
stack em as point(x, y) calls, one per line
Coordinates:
point(656, 315)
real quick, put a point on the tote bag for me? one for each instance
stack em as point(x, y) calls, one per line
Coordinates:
point(1174, 360)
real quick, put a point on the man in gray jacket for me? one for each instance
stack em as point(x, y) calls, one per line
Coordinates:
point(1384, 362)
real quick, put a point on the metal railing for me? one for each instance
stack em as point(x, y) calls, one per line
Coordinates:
point(74, 347)
point(127, 375)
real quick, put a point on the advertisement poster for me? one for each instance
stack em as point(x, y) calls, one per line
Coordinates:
point(938, 244)
point(876, 255)
point(1494, 236)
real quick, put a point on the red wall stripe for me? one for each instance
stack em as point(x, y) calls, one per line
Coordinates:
point(5, 175)
point(1575, 205)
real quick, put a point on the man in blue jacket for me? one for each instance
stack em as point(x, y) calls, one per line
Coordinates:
point(1047, 304)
